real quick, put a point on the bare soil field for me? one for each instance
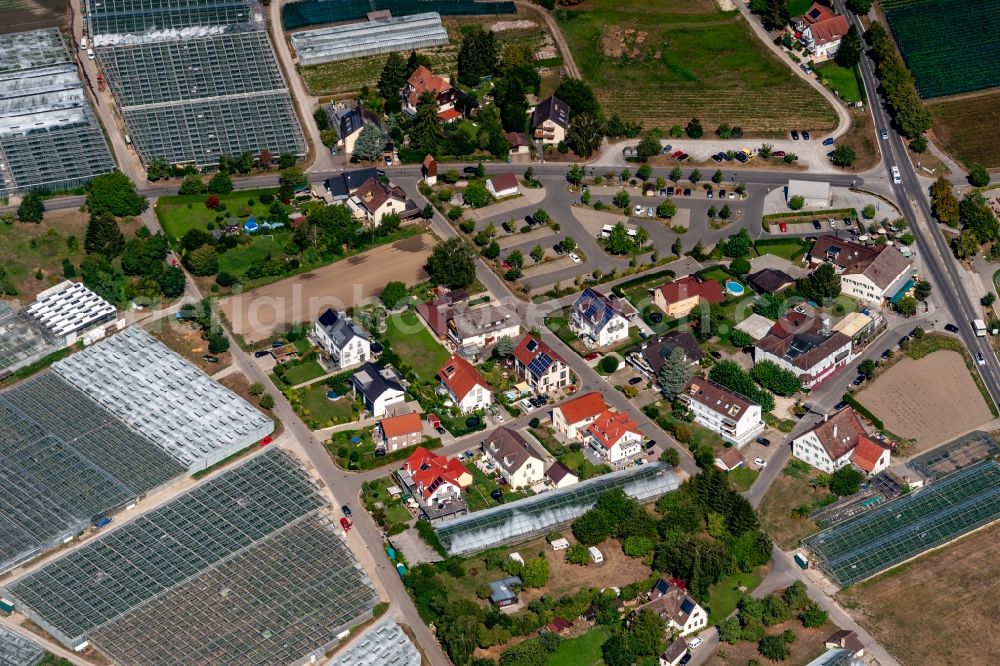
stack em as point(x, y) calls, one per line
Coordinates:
point(930, 401)
point(186, 340)
point(617, 569)
point(354, 281)
point(938, 609)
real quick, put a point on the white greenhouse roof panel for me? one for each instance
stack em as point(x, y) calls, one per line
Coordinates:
point(355, 40)
point(69, 307)
point(385, 644)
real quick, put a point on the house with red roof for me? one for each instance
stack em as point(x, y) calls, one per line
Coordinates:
point(822, 31)
point(423, 81)
point(398, 432)
point(465, 385)
point(838, 441)
point(614, 437)
point(503, 185)
point(806, 345)
point(573, 417)
point(680, 297)
point(434, 479)
point(539, 365)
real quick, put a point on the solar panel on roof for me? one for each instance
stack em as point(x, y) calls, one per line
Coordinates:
point(540, 364)
point(532, 345)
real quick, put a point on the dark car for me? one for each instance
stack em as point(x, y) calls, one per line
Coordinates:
point(829, 155)
point(916, 331)
point(722, 194)
point(716, 355)
point(469, 170)
point(376, 348)
point(778, 153)
point(663, 191)
point(261, 353)
point(817, 225)
point(859, 380)
point(666, 149)
point(277, 343)
point(346, 510)
point(687, 192)
point(718, 158)
point(805, 135)
point(886, 355)
point(685, 659)
point(209, 358)
point(655, 317)
point(828, 142)
point(848, 222)
point(635, 380)
point(497, 494)
point(840, 405)
point(380, 173)
point(441, 430)
point(670, 191)
point(530, 220)
point(740, 157)
point(764, 441)
point(650, 444)
point(951, 328)
point(472, 422)
point(795, 135)
point(557, 248)
point(903, 340)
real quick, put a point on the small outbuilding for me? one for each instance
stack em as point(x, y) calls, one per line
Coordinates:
point(503, 185)
point(502, 591)
point(729, 459)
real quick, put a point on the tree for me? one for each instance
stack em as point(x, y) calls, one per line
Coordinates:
point(426, 132)
point(641, 236)
point(568, 244)
point(648, 146)
point(737, 245)
point(32, 208)
point(796, 202)
point(537, 253)
point(621, 199)
point(203, 261)
point(114, 194)
point(619, 650)
point(504, 347)
point(859, 7)
point(674, 374)
point(725, 212)
point(944, 202)
point(988, 300)
point(267, 401)
point(740, 339)
point(812, 616)
point(765, 150)
point(220, 183)
point(822, 283)
point(217, 343)
point(584, 134)
point(713, 212)
point(846, 481)
point(922, 289)
point(510, 98)
point(171, 282)
point(667, 209)
point(975, 214)
point(774, 14)
point(678, 247)
point(717, 176)
point(618, 240)
point(966, 244)
point(369, 144)
point(671, 456)
point(535, 572)
point(393, 293)
point(477, 56)
point(391, 81)
point(580, 97)
point(867, 368)
point(740, 266)
point(103, 236)
point(476, 195)
point(849, 52)
point(695, 176)
point(730, 630)
point(452, 263)
point(575, 174)
point(775, 378)
point(773, 647)
point(144, 255)
point(979, 176)
point(191, 184)
point(843, 155)
point(647, 629)
point(694, 129)
point(644, 172)
point(907, 306)
point(609, 363)
point(591, 528)
point(637, 546)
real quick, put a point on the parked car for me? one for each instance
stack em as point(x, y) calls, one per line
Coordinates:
point(685, 659)
point(833, 224)
point(670, 191)
point(666, 149)
point(778, 153)
point(635, 380)
point(886, 355)
point(795, 135)
point(557, 248)
point(346, 510)
point(650, 444)
point(859, 380)
point(828, 141)
point(638, 209)
point(806, 68)
point(740, 157)
point(732, 195)
point(687, 192)
point(695, 642)
point(979, 359)
point(716, 355)
point(663, 191)
point(817, 225)
point(346, 524)
point(441, 430)
point(718, 158)
point(783, 227)
point(210, 358)
point(764, 441)
point(576, 259)
point(655, 317)
point(650, 211)
point(951, 328)
point(261, 353)
point(722, 194)
point(840, 405)
point(277, 343)
point(709, 195)
point(677, 154)
point(903, 340)
point(805, 135)
point(529, 220)
point(470, 170)
point(885, 134)
point(683, 157)
point(848, 222)
point(760, 462)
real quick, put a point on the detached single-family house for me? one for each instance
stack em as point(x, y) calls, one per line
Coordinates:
point(345, 343)
point(398, 432)
point(539, 365)
point(465, 386)
point(348, 123)
point(482, 326)
point(806, 345)
point(822, 31)
point(373, 200)
point(869, 274)
point(679, 611)
point(572, 417)
point(560, 476)
point(680, 297)
point(423, 81)
point(380, 388)
point(838, 441)
point(343, 185)
point(729, 459)
point(558, 625)
point(434, 479)
point(649, 356)
point(770, 281)
point(717, 408)
point(615, 437)
point(503, 185)
point(516, 463)
point(518, 142)
point(549, 120)
point(600, 320)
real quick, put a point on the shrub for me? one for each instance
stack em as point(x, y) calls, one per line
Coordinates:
point(609, 364)
point(212, 202)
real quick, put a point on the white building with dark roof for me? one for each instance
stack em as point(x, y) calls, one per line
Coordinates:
point(733, 416)
point(549, 120)
point(600, 320)
point(346, 343)
point(380, 388)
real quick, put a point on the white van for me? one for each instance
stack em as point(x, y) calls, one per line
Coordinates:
point(90, 54)
point(83, 42)
point(896, 177)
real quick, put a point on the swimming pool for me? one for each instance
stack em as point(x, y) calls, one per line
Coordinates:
point(734, 288)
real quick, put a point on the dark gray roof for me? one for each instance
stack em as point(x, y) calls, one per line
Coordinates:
point(373, 380)
point(340, 328)
point(500, 590)
point(343, 184)
point(655, 350)
point(551, 108)
point(349, 121)
point(770, 280)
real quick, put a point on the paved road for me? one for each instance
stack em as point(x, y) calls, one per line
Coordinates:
point(557, 36)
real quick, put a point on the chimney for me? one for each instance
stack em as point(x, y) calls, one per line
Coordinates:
point(835, 431)
point(826, 417)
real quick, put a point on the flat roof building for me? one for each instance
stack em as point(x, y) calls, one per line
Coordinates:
point(815, 193)
point(70, 308)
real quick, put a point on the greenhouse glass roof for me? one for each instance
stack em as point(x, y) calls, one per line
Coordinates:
point(16, 650)
point(523, 519)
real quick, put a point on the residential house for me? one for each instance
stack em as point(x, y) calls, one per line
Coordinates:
point(429, 170)
point(502, 592)
point(806, 345)
point(814, 193)
point(674, 653)
point(649, 356)
point(465, 386)
point(380, 387)
point(733, 416)
point(441, 308)
point(423, 81)
point(573, 417)
point(822, 31)
point(518, 142)
point(516, 462)
point(345, 343)
point(560, 476)
point(600, 320)
point(398, 432)
point(558, 625)
point(838, 441)
point(348, 123)
point(869, 274)
point(373, 200)
point(549, 120)
point(848, 640)
point(343, 185)
point(680, 297)
point(539, 365)
point(480, 327)
point(615, 437)
point(770, 281)
point(679, 611)
point(434, 480)
point(503, 185)
point(729, 459)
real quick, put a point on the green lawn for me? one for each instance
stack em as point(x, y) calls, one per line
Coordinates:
point(584, 650)
point(792, 249)
point(798, 7)
point(27, 248)
point(841, 80)
point(181, 213)
point(724, 595)
point(298, 374)
point(415, 345)
point(742, 478)
point(662, 64)
point(323, 410)
point(477, 496)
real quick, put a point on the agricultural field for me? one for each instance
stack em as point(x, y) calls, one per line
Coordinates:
point(343, 78)
point(967, 127)
point(926, 30)
point(663, 63)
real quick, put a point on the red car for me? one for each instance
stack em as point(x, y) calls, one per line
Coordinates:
point(678, 154)
point(778, 153)
point(346, 524)
point(267, 440)
point(783, 227)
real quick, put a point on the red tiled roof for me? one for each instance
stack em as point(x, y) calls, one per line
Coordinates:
point(867, 453)
point(583, 407)
point(840, 433)
point(526, 356)
point(429, 471)
point(690, 286)
point(829, 29)
point(558, 624)
point(504, 181)
point(405, 424)
point(817, 12)
point(424, 80)
point(460, 376)
point(449, 115)
point(610, 427)
point(730, 458)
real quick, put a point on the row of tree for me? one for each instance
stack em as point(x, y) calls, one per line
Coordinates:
point(901, 94)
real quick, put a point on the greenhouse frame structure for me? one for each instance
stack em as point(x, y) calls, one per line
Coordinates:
point(529, 517)
point(317, 12)
point(15, 650)
point(356, 40)
point(955, 455)
point(107, 19)
point(897, 531)
point(256, 572)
